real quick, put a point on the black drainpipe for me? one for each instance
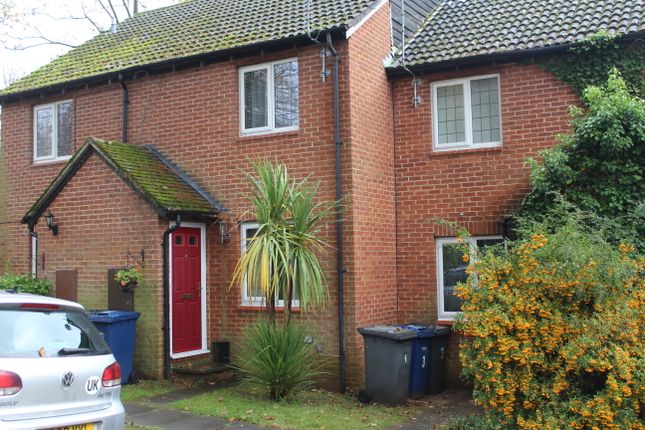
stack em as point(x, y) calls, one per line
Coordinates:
point(339, 221)
point(126, 101)
point(166, 297)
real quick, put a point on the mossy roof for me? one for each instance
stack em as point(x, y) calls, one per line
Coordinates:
point(188, 29)
point(165, 187)
point(462, 29)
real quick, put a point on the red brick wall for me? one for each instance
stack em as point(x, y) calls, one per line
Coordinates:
point(192, 116)
point(100, 221)
point(473, 187)
point(97, 113)
point(370, 227)
point(394, 184)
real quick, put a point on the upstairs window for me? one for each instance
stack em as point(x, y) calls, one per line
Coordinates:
point(466, 113)
point(269, 97)
point(451, 270)
point(53, 131)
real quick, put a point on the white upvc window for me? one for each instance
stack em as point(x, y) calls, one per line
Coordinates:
point(253, 296)
point(451, 270)
point(53, 138)
point(466, 113)
point(269, 97)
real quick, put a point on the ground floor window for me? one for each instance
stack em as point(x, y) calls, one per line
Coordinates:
point(251, 295)
point(451, 270)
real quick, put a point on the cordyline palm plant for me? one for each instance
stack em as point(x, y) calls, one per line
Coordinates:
point(280, 260)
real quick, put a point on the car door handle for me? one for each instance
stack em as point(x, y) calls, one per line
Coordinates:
point(187, 296)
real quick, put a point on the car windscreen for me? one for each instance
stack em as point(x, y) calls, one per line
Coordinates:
point(48, 333)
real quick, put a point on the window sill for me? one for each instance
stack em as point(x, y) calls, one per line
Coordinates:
point(36, 163)
point(265, 134)
point(262, 308)
point(466, 151)
point(445, 323)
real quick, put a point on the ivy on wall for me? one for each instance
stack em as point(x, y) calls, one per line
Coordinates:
point(599, 166)
point(589, 63)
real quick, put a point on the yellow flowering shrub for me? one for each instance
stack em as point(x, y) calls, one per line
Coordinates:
point(553, 332)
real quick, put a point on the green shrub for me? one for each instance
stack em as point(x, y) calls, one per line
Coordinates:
point(599, 167)
point(277, 358)
point(25, 284)
point(553, 331)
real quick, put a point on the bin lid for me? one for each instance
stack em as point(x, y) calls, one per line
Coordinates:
point(426, 331)
point(388, 331)
point(111, 316)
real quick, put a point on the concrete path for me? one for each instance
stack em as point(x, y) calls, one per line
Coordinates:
point(441, 409)
point(150, 417)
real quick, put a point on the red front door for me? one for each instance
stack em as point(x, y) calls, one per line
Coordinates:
point(186, 290)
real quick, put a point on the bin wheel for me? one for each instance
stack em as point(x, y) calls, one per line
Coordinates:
point(365, 396)
point(135, 377)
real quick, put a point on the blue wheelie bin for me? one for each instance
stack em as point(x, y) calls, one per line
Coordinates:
point(118, 328)
point(426, 367)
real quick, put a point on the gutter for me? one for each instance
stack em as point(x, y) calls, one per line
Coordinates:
point(340, 269)
point(166, 296)
point(476, 60)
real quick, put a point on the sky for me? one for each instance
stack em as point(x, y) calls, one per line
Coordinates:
point(21, 48)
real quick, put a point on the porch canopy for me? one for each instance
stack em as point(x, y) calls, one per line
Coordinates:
point(150, 174)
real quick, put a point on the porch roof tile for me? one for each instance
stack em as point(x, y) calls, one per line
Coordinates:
point(162, 184)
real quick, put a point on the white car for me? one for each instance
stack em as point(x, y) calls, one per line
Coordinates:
point(56, 371)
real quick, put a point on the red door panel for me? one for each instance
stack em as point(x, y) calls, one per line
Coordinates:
point(186, 290)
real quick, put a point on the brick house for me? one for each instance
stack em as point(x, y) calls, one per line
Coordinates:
point(138, 142)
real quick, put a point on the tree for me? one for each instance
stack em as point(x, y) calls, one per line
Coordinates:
point(280, 260)
point(29, 24)
point(599, 167)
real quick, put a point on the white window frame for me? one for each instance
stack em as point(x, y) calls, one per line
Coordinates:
point(439, 242)
point(468, 117)
point(54, 155)
point(270, 127)
point(256, 301)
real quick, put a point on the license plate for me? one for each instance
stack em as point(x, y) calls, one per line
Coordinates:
point(76, 427)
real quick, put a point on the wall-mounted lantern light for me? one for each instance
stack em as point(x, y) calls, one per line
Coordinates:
point(224, 234)
point(49, 220)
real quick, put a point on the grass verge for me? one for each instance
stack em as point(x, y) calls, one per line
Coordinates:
point(312, 409)
point(145, 389)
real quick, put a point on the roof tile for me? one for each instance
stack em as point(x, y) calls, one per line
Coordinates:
point(467, 28)
point(190, 28)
